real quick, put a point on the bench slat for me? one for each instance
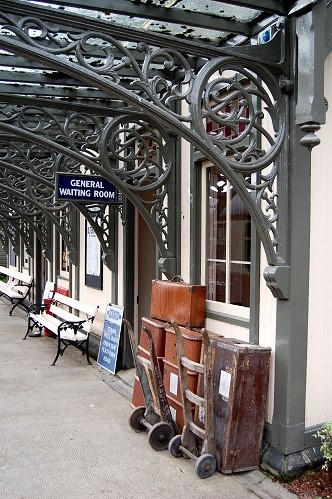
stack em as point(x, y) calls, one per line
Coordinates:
point(20, 276)
point(52, 323)
point(17, 286)
point(90, 310)
point(64, 315)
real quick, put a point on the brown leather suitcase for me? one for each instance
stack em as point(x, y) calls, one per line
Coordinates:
point(178, 301)
point(240, 375)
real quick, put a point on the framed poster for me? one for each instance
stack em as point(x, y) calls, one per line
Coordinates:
point(93, 259)
point(110, 339)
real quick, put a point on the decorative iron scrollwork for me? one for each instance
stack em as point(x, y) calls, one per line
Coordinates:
point(231, 109)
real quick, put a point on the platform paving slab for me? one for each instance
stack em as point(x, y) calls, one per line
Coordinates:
point(64, 432)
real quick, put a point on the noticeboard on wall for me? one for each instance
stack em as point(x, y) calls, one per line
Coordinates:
point(109, 342)
point(93, 259)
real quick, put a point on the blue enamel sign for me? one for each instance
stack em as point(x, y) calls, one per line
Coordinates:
point(85, 188)
point(109, 342)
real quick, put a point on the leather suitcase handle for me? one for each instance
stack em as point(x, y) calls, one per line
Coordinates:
point(177, 278)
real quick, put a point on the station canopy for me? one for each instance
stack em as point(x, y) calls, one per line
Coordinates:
point(197, 26)
point(113, 60)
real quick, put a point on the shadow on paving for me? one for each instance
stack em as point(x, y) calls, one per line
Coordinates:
point(64, 432)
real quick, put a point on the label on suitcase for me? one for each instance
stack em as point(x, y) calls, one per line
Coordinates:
point(178, 301)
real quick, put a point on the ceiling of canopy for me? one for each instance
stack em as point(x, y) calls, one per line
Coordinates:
point(198, 27)
point(211, 21)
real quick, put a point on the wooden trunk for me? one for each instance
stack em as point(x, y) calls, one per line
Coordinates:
point(240, 376)
point(192, 342)
point(178, 301)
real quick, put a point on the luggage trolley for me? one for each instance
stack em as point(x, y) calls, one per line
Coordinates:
point(156, 415)
point(196, 442)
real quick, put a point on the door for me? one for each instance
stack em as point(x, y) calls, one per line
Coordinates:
point(145, 269)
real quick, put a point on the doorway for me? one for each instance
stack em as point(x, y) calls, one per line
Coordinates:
point(145, 269)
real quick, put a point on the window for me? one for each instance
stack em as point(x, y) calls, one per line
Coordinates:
point(228, 243)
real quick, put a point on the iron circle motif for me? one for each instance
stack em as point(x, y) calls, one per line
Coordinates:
point(245, 104)
point(138, 151)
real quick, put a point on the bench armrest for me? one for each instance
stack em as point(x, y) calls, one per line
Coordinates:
point(36, 308)
point(75, 325)
point(21, 288)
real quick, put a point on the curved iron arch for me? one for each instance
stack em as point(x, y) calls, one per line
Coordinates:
point(91, 165)
point(20, 223)
point(144, 170)
point(207, 147)
point(14, 233)
point(154, 98)
point(39, 217)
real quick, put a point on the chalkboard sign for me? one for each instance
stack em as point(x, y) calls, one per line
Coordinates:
point(109, 342)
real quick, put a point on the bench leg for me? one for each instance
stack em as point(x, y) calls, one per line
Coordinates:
point(11, 310)
point(31, 325)
point(62, 349)
point(19, 302)
point(59, 350)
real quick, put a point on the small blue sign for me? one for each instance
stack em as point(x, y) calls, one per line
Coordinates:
point(109, 342)
point(85, 188)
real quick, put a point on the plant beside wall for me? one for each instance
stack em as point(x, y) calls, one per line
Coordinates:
point(317, 483)
point(325, 435)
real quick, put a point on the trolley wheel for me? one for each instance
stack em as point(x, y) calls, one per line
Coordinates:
point(159, 435)
point(174, 446)
point(205, 466)
point(135, 419)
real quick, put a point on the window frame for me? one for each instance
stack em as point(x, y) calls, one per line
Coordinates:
point(212, 305)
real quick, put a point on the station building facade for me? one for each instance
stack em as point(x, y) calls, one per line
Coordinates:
point(221, 177)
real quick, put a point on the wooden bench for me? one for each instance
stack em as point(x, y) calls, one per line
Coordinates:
point(16, 288)
point(46, 301)
point(68, 319)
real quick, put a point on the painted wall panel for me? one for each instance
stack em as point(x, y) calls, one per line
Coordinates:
point(319, 367)
point(267, 331)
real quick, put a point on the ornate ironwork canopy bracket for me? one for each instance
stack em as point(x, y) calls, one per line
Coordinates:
point(238, 90)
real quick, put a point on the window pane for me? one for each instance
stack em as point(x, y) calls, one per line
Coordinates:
point(240, 284)
point(216, 272)
point(240, 230)
point(217, 216)
point(228, 243)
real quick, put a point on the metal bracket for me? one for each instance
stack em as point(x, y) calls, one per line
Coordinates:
point(109, 260)
point(167, 266)
point(278, 280)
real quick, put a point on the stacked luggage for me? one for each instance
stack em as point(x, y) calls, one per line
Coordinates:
point(210, 405)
